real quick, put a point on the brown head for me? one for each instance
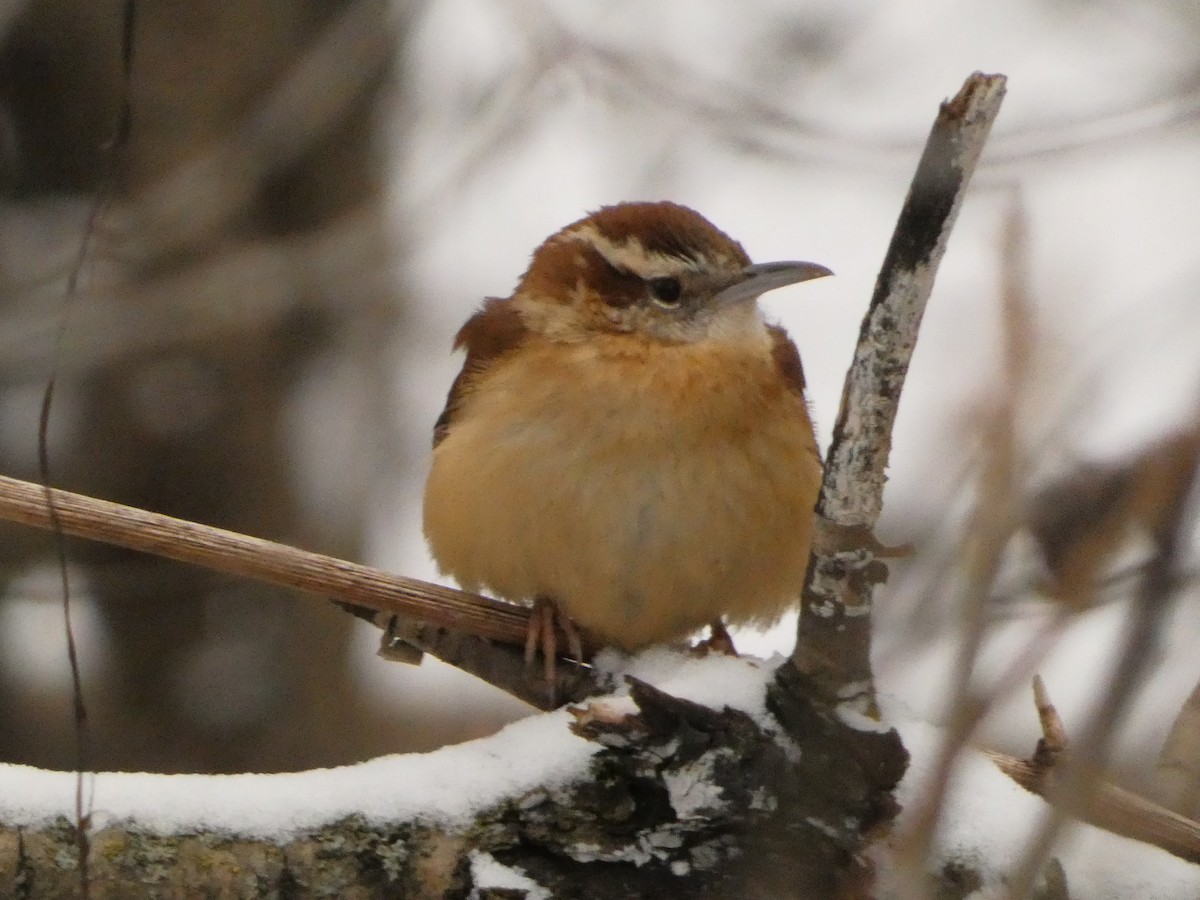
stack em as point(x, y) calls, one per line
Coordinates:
point(659, 270)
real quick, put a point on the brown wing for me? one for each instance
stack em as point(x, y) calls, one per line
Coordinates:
point(787, 359)
point(787, 363)
point(489, 334)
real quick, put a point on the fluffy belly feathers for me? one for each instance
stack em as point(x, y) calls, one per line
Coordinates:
point(647, 493)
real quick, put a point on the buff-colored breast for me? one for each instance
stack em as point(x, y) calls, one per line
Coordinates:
point(648, 489)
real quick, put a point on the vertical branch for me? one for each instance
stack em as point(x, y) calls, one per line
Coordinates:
point(992, 522)
point(833, 640)
point(99, 205)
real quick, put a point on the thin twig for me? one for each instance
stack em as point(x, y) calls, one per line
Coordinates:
point(747, 118)
point(1074, 793)
point(188, 301)
point(1054, 736)
point(1111, 808)
point(993, 520)
point(1114, 809)
point(99, 204)
point(833, 641)
point(261, 560)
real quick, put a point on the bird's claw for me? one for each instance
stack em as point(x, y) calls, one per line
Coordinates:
point(545, 621)
point(719, 641)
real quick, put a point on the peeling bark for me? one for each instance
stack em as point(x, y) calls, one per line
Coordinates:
point(681, 801)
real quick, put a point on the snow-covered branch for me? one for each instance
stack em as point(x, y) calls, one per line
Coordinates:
point(707, 779)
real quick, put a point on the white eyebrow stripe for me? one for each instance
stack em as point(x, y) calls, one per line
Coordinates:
point(632, 256)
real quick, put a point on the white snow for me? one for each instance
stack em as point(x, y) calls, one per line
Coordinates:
point(444, 787)
point(488, 872)
point(986, 821)
point(715, 680)
point(447, 786)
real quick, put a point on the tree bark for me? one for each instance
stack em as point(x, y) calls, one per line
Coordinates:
point(681, 801)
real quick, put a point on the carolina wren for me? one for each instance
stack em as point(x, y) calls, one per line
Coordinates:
point(628, 443)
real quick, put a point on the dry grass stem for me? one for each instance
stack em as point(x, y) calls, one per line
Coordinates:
point(278, 564)
point(991, 525)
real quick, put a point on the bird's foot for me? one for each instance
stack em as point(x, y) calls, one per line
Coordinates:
point(719, 641)
point(545, 621)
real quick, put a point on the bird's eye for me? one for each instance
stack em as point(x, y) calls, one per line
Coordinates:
point(664, 291)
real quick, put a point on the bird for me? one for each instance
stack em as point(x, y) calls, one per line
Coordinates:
point(628, 447)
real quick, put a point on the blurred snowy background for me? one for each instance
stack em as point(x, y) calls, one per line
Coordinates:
point(316, 195)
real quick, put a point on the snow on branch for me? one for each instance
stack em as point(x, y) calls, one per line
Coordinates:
point(683, 789)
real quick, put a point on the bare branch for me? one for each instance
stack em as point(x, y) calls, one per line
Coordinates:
point(987, 532)
point(124, 315)
point(833, 642)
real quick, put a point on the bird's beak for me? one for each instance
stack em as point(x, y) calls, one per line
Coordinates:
point(754, 281)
